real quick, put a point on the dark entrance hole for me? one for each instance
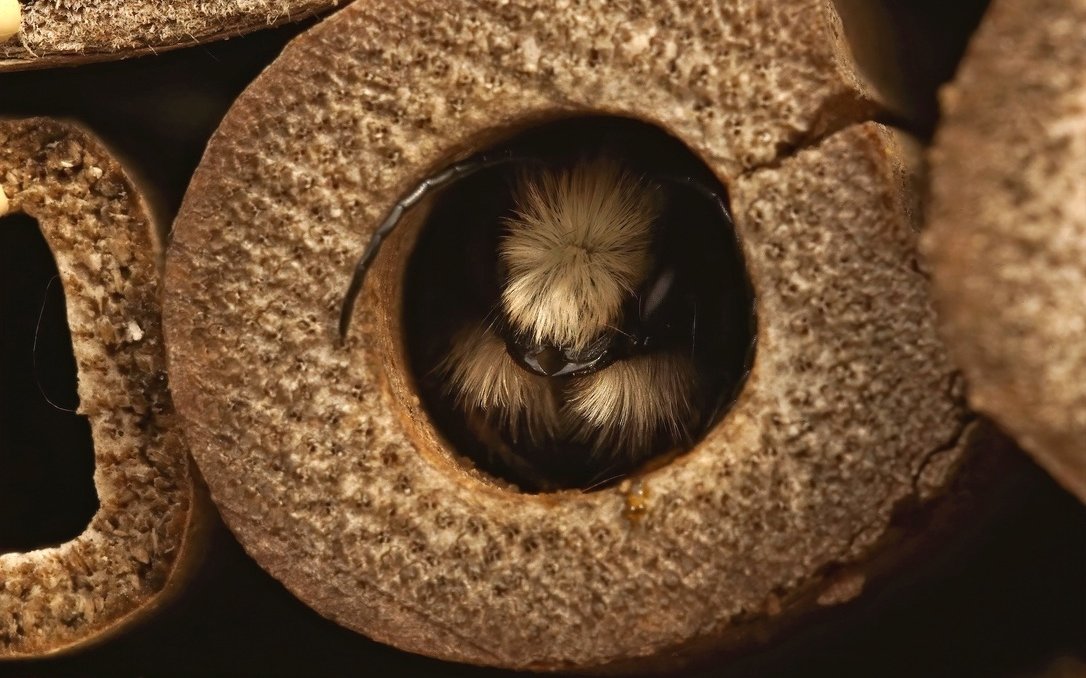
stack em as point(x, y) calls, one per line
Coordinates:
point(454, 279)
point(47, 493)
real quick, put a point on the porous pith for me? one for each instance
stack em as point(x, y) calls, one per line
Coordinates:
point(106, 254)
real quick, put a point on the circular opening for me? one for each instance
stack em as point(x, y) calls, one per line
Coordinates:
point(47, 492)
point(576, 306)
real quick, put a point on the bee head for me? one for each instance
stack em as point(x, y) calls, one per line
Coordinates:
point(575, 249)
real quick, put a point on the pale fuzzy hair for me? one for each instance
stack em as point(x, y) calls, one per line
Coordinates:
point(621, 410)
point(481, 376)
point(577, 245)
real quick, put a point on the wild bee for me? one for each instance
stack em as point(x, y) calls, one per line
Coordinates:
point(571, 325)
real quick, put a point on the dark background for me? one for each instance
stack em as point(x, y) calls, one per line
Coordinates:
point(1004, 598)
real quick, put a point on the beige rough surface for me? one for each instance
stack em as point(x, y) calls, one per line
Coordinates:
point(1007, 240)
point(135, 546)
point(56, 32)
point(329, 472)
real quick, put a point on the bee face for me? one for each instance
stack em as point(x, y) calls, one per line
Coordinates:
point(580, 286)
point(556, 312)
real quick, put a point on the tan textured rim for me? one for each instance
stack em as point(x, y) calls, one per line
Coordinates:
point(329, 473)
point(141, 542)
point(65, 33)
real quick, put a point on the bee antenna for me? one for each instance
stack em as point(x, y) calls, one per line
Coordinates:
point(447, 176)
point(628, 335)
point(491, 318)
point(694, 331)
point(600, 483)
point(34, 349)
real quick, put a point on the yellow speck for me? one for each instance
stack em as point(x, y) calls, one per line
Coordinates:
point(11, 15)
point(3, 202)
point(636, 495)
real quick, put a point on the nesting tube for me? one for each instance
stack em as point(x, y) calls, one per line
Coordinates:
point(144, 538)
point(1007, 235)
point(330, 471)
point(48, 33)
